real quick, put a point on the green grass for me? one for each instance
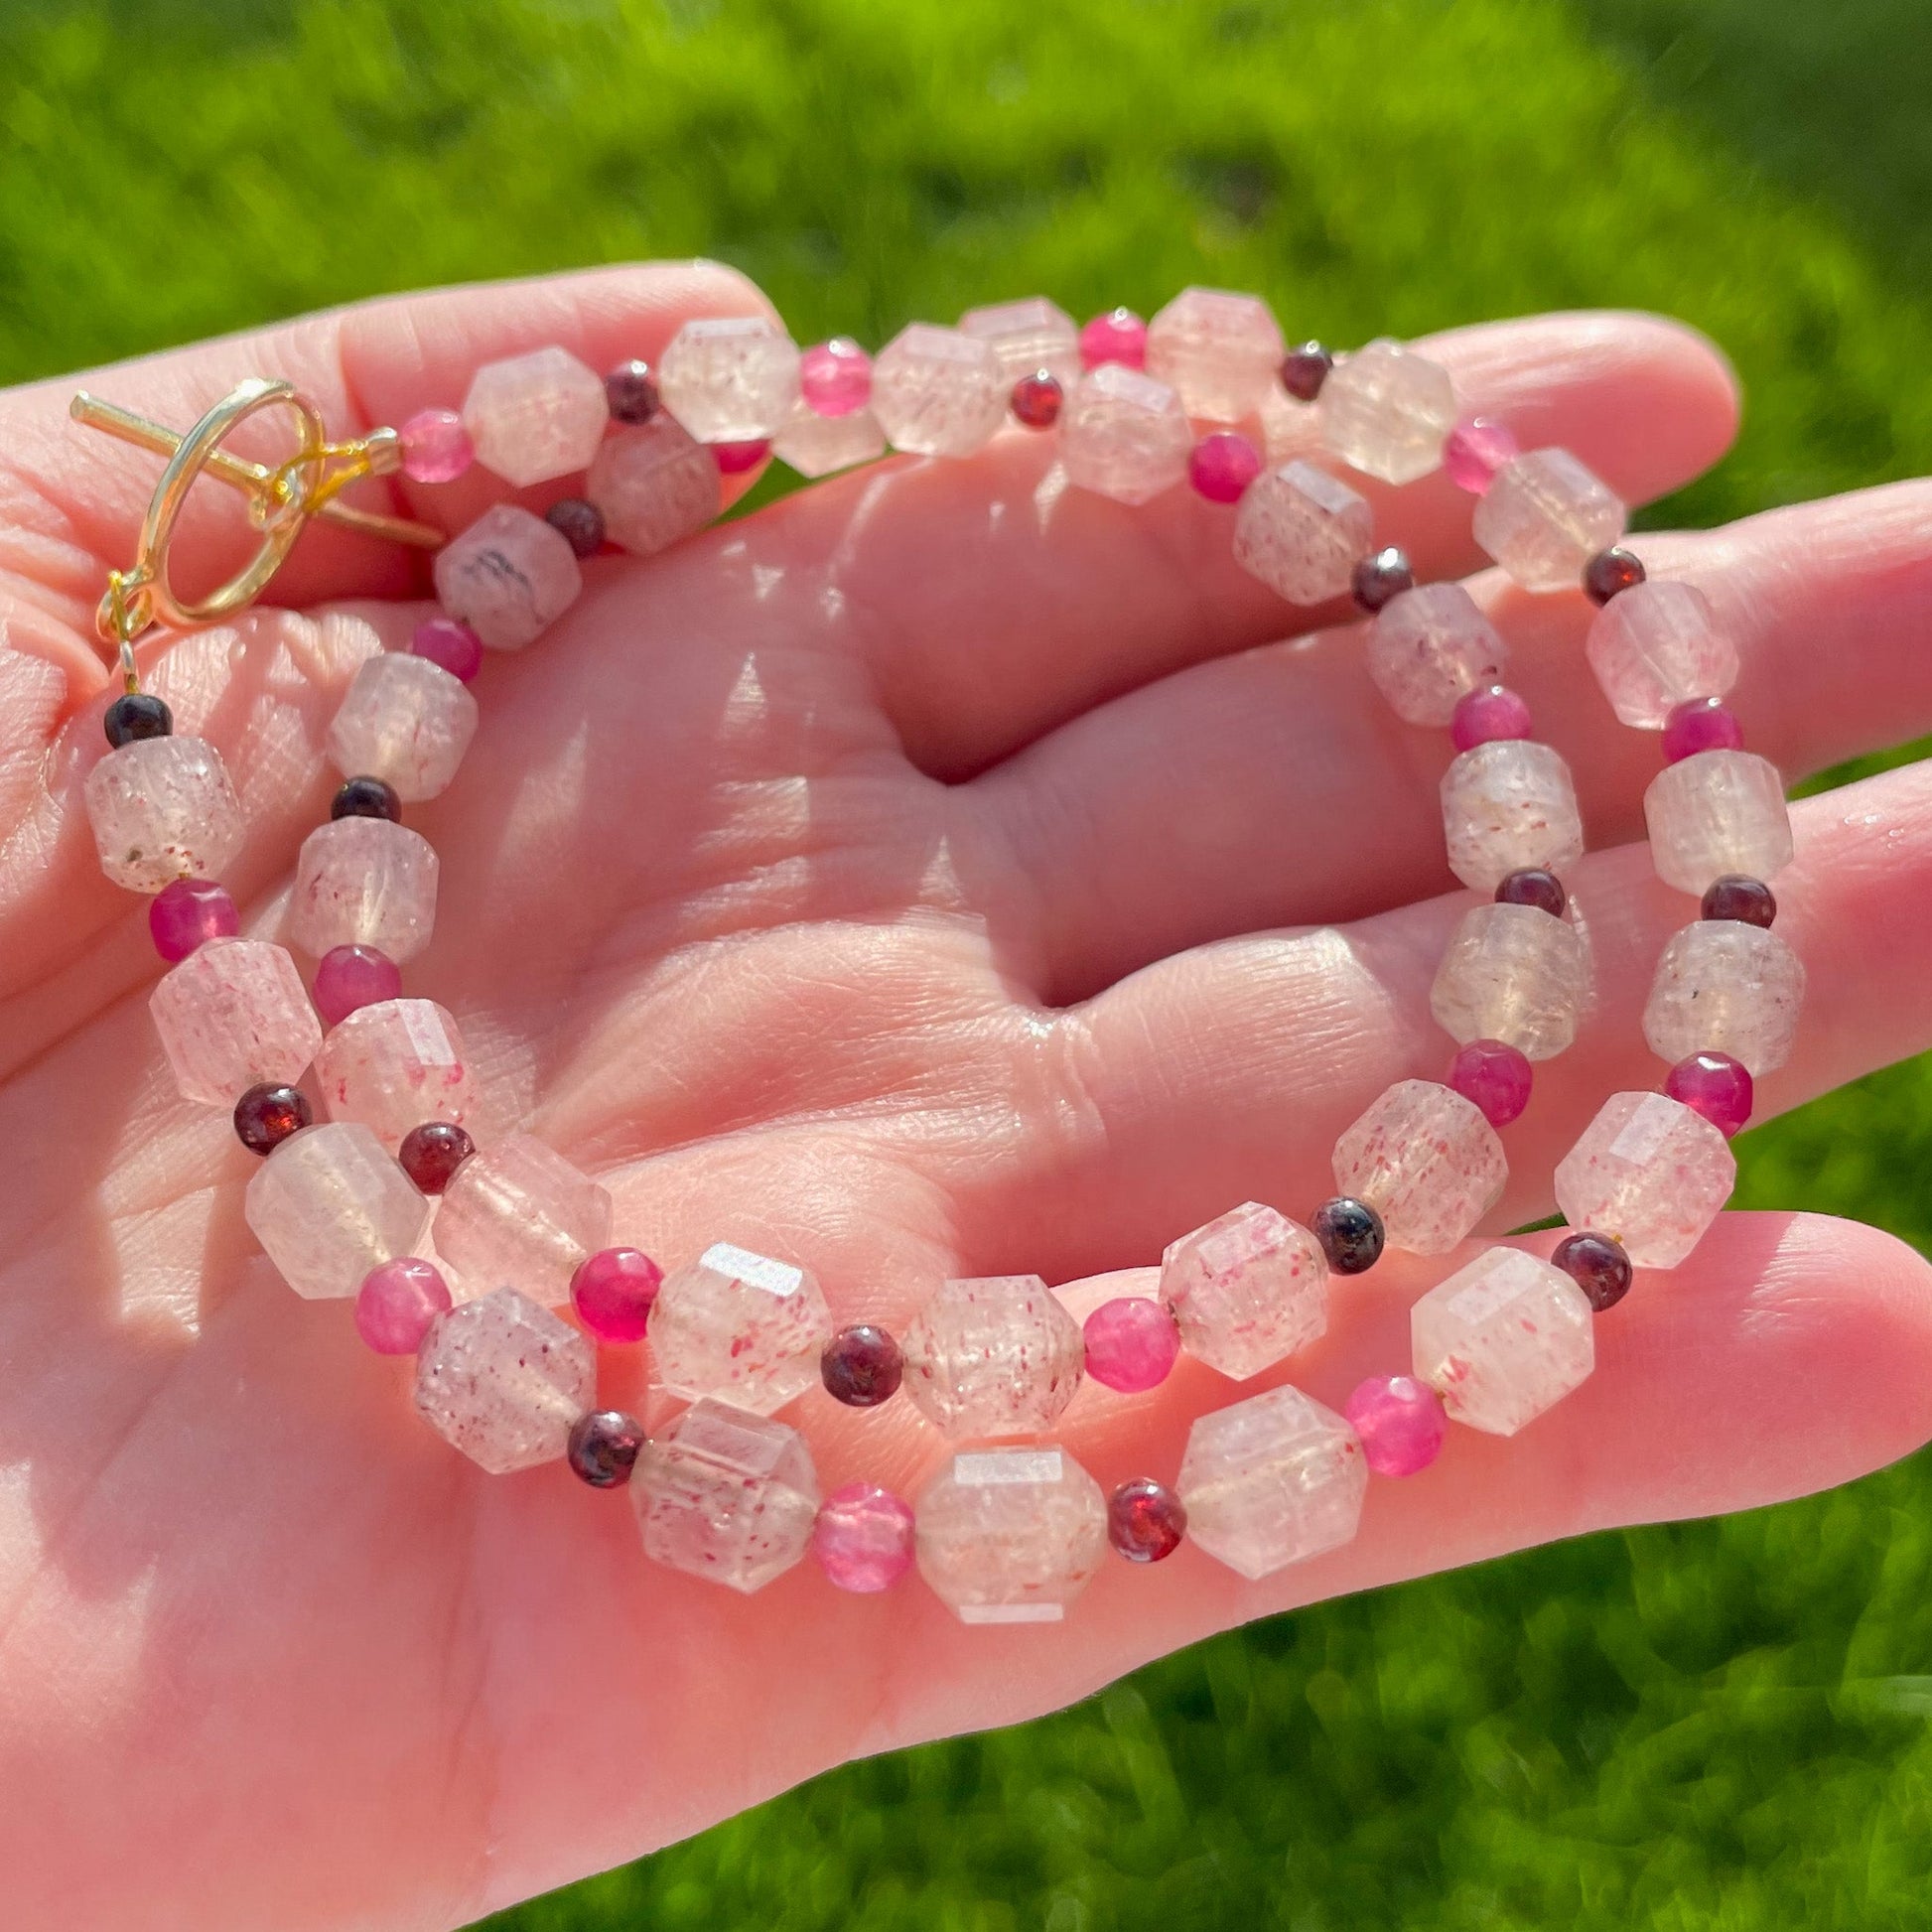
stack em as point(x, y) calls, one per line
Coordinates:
point(1718, 1724)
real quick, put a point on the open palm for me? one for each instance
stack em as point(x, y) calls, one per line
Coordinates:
point(931, 875)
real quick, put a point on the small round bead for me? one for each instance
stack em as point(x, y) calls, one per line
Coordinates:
point(265, 1116)
point(397, 1303)
point(1304, 370)
point(436, 447)
point(862, 1538)
point(733, 459)
point(188, 912)
point(1400, 1424)
point(1222, 465)
point(1474, 451)
point(1715, 1086)
point(581, 522)
point(1702, 725)
point(1381, 575)
point(1496, 1076)
point(603, 1447)
point(431, 1154)
point(1736, 896)
point(1532, 885)
point(366, 798)
point(630, 392)
point(1350, 1233)
point(1036, 399)
point(1120, 335)
point(835, 378)
point(861, 1366)
point(1146, 1520)
point(449, 644)
point(1483, 716)
point(1131, 1343)
point(612, 1291)
point(1610, 572)
point(1598, 1264)
point(349, 978)
point(136, 714)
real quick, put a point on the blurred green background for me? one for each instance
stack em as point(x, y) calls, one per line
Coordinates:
point(1718, 1725)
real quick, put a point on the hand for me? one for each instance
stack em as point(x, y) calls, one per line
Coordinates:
point(905, 881)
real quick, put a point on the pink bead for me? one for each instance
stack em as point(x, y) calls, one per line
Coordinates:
point(453, 645)
point(436, 447)
point(1491, 713)
point(396, 1304)
point(349, 978)
point(835, 378)
point(613, 1292)
point(189, 912)
point(1476, 447)
point(1120, 335)
point(1715, 1086)
point(1400, 1424)
point(1131, 1343)
point(1222, 466)
point(733, 459)
point(1496, 1077)
point(862, 1538)
point(1702, 725)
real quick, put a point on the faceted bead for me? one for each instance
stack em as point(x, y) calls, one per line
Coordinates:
point(363, 882)
point(1146, 1520)
point(189, 912)
point(1507, 805)
point(509, 576)
point(613, 1292)
point(1544, 517)
point(730, 378)
point(1386, 411)
point(994, 1356)
point(505, 1381)
point(1650, 1171)
point(1124, 435)
point(1484, 715)
point(733, 459)
point(1597, 1265)
point(519, 1213)
point(1025, 336)
point(1714, 813)
point(453, 646)
point(398, 1304)
point(862, 1538)
point(1222, 465)
point(269, 1114)
point(835, 379)
point(1497, 1077)
point(1038, 400)
point(1350, 1232)
point(937, 392)
point(330, 1204)
point(630, 392)
point(1300, 531)
point(431, 1154)
point(1734, 896)
point(1131, 1344)
point(1305, 369)
point(862, 1366)
point(1247, 1290)
point(1272, 1481)
point(1425, 1159)
point(1715, 1086)
point(406, 721)
point(1512, 973)
point(162, 809)
point(1610, 573)
point(231, 1015)
point(1221, 351)
point(1503, 1339)
point(655, 485)
point(581, 523)
point(362, 798)
point(533, 417)
point(1532, 885)
point(1119, 335)
point(1428, 649)
point(725, 1496)
point(1400, 1422)
point(1379, 577)
point(436, 447)
point(1701, 725)
point(1727, 987)
point(349, 978)
point(816, 445)
point(1476, 450)
point(1010, 1536)
point(393, 1064)
point(739, 1326)
point(1657, 646)
point(603, 1446)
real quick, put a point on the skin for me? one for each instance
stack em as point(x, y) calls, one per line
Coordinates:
point(900, 885)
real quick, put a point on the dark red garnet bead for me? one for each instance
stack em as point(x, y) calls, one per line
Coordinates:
point(1381, 575)
point(1534, 886)
point(366, 798)
point(1598, 1264)
point(862, 1366)
point(265, 1116)
point(581, 523)
point(1304, 370)
point(432, 1153)
point(603, 1447)
point(630, 393)
point(1146, 1520)
point(1736, 896)
point(1036, 399)
point(1610, 572)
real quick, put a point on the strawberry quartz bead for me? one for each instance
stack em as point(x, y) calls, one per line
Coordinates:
point(397, 1303)
point(862, 1538)
point(349, 978)
point(1131, 1343)
point(1036, 399)
point(1120, 335)
point(1400, 1424)
point(1222, 466)
point(1146, 1520)
point(612, 1291)
point(1715, 1086)
point(1496, 1077)
point(455, 646)
point(436, 447)
point(733, 459)
point(1702, 725)
point(835, 378)
point(1476, 449)
point(188, 914)
point(1483, 716)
